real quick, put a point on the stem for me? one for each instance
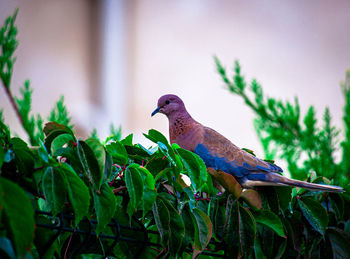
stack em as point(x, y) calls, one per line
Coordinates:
point(14, 105)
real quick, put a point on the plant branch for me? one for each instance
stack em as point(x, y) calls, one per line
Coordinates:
point(14, 105)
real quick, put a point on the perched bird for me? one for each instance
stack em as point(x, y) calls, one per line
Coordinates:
point(221, 154)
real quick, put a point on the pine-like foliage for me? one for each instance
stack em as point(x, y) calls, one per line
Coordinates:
point(308, 146)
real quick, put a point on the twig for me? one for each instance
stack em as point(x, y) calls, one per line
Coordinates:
point(13, 103)
point(117, 190)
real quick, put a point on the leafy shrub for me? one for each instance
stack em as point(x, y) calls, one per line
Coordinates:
point(66, 197)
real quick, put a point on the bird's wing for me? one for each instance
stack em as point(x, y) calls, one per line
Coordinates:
point(221, 154)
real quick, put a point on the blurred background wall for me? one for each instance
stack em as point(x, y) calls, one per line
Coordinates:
point(112, 60)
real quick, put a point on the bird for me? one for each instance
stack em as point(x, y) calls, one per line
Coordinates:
point(221, 154)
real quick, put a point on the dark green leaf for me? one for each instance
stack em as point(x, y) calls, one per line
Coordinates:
point(239, 229)
point(281, 249)
point(105, 206)
point(187, 216)
point(53, 130)
point(18, 216)
point(43, 241)
point(177, 228)
point(99, 152)
point(340, 242)
point(270, 220)
point(203, 230)
point(54, 187)
point(2, 156)
point(90, 164)
point(258, 249)
point(162, 218)
point(197, 171)
point(23, 156)
point(118, 152)
point(108, 166)
point(156, 165)
point(136, 152)
point(135, 186)
point(315, 213)
point(60, 141)
point(78, 192)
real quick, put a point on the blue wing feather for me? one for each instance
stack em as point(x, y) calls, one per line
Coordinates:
point(240, 172)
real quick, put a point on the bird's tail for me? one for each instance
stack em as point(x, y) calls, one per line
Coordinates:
point(277, 179)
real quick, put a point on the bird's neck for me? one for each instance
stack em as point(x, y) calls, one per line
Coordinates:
point(180, 125)
point(180, 118)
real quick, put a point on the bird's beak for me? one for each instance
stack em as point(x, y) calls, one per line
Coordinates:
point(155, 111)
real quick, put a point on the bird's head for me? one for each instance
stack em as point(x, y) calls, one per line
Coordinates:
point(169, 104)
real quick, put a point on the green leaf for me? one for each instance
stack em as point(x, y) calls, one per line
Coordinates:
point(281, 249)
point(149, 198)
point(127, 140)
point(54, 187)
point(78, 193)
point(136, 152)
point(99, 152)
point(270, 220)
point(239, 229)
point(163, 145)
point(195, 167)
point(2, 156)
point(44, 237)
point(203, 230)
point(188, 219)
point(340, 242)
point(162, 218)
point(90, 164)
point(149, 192)
point(176, 228)
point(118, 153)
point(60, 141)
point(135, 186)
point(17, 215)
point(108, 166)
point(258, 249)
point(105, 206)
point(53, 130)
point(155, 136)
point(23, 156)
point(50, 127)
point(167, 152)
point(315, 213)
point(156, 165)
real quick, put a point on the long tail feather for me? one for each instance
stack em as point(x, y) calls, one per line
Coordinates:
point(277, 179)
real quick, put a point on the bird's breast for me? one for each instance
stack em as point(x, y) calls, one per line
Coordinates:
point(186, 136)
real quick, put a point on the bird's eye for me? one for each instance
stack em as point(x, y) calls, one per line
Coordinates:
point(167, 102)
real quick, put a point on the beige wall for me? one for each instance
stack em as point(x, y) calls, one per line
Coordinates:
point(54, 53)
point(292, 48)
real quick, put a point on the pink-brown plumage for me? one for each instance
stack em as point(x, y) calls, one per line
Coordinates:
point(221, 154)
